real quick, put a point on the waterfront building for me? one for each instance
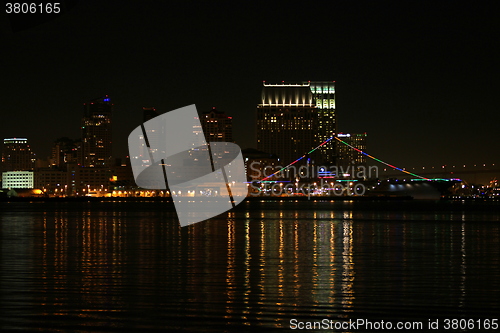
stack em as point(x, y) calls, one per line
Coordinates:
point(74, 181)
point(52, 181)
point(17, 155)
point(17, 179)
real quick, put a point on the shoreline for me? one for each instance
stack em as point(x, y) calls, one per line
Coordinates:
point(169, 199)
point(249, 198)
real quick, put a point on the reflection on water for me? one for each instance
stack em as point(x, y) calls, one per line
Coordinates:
point(119, 266)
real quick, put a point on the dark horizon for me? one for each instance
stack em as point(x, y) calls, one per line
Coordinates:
point(420, 81)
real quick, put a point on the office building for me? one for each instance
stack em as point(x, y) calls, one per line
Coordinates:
point(17, 179)
point(97, 133)
point(17, 155)
point(75, 181)
point(260, 165)
point(52, 181)
point(65, 151)
point(324, 97)
point(294, 118)
point(217, 126)
point(349, 156)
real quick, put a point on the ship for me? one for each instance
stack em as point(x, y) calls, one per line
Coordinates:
point(430, 189)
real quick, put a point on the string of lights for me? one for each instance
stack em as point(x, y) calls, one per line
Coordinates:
point(289, 165)
point(380, 161)
point(356, 149)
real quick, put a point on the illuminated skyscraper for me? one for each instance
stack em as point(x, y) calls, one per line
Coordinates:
point(324, 98)
point(347, 155)
point(217, 126)
point(294, 118)
point(17, 155)
point(96, 133)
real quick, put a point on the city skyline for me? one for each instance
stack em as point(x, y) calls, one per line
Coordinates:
point(81, 149)
point(294, 111)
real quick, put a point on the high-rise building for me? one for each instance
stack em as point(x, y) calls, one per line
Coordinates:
point(17, 155)
point(65, 151)
point(349, 156)
point(153, 134)
point(217, 126)
point(294, 118)
point(96, 133)
point(324, 98)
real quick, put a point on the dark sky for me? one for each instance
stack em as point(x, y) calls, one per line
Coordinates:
point(420, 78)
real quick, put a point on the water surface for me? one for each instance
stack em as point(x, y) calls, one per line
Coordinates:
point(118, 266)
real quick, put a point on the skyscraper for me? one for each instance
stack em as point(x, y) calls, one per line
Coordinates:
point(17, 155)
point(65, 151)
point(347, 155)
point(324, 98)
point(217, 126)
point(96, 133)
point(293, 118)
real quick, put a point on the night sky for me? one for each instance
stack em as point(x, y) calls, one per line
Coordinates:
point(420, 78)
